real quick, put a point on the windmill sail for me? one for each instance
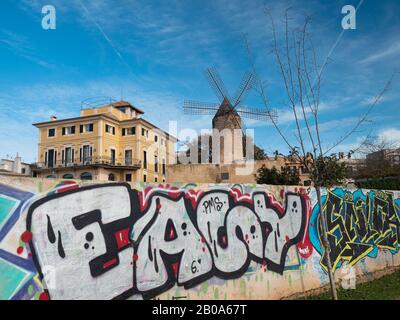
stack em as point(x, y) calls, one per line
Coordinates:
point(217, 84)
point(245, 86)
point(199, 108)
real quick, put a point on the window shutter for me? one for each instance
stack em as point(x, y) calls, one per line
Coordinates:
point(62, 157)
point(91, 127)
point(55, 156)
point(63, 131)
point(73, 154)
point(91, 151)
point(45, 158)
point(72, 129)
point(134, 130)
point(81, 128)
point(123, 131)
point(80, 154)
point(113, 130)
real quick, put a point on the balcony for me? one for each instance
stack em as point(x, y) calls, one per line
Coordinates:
point(106, 162)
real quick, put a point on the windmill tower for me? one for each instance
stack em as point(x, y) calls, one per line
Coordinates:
point(227, 121)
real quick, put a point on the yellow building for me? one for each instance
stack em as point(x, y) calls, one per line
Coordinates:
point(111, 142)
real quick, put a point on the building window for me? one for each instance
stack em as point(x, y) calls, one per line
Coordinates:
point(85, 154)
point(144, 160)
point(128, 157)
point(86, 176)
point(50, 158)
point(304, 170)
point(128, 177)
point(293, 169)
point(112, 156)
point(163, 167)
point(23, 170)
point(111, 177)
point(51, 132)
point(155, 138)
point(155, 164)
point(68, 155)
point(225, 175)
point(88, 127)
point(68, 176)
point(68, 130)
point(110, 129)
point(144, 178)
point(145, 132)
point(128, 131)
point(155, 179)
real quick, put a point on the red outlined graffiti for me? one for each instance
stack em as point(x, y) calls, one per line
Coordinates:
point(109, 241)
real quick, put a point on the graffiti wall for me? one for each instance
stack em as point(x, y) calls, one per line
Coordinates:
point(68, 240)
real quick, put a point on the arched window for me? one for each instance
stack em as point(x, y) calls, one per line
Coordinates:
point(68, 176)
point(111, 177)
point(51, 177)
point(86, 176)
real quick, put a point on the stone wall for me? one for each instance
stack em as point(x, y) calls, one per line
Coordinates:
point(239, 172)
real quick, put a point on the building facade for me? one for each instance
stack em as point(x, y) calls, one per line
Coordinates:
point(110, 142)
point(390, 155)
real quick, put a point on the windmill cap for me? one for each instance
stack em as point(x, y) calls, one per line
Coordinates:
point(225, 108)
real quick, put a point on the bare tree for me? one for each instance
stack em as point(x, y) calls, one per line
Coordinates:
point(379, 152)
point(302, 72)
point(374, 144)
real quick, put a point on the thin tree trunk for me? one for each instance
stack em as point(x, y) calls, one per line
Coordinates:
point(326, 245)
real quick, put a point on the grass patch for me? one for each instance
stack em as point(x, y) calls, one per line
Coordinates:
point(384, 288)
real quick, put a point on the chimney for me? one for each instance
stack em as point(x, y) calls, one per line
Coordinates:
point(53, 118)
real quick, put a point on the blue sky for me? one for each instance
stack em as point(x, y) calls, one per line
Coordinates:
point(155, 52)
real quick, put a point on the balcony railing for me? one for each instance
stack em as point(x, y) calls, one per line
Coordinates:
point(88, 161)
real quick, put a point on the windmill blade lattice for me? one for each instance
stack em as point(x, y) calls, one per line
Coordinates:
point(217, 84)
point(199, 108)
point(245, 86)
point(258, 114)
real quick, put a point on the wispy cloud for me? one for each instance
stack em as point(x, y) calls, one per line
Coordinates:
point(387, 52)
point(20, 46)
point(106, 37)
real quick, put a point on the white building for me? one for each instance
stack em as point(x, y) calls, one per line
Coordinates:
point(15, 166)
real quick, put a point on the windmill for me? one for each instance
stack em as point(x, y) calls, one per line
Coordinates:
point(228, 115)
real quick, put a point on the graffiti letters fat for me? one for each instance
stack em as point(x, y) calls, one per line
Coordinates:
point(109, 241)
